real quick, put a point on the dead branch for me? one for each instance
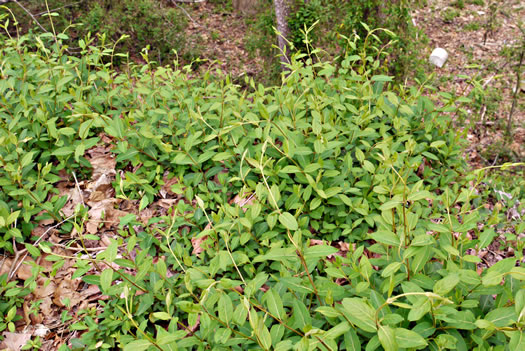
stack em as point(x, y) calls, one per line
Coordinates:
point(26, 11)
point(174, 2)
point(59, 8)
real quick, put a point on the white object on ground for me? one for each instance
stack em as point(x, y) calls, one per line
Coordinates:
point(438, 57)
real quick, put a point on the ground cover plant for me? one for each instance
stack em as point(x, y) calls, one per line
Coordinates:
point(167, 212)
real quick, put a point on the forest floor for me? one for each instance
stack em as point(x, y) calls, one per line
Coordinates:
point(483, 42)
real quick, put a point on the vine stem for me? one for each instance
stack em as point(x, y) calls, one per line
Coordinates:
point(405, 224)
point(130, 317)
point(297, 248)
point(94, 260)
point(391, 300)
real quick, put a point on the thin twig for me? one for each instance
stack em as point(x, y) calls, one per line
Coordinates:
point(90, 249)
point(16, 266)
point(174, 2)
point(29, 14)
point(78, 189)
point(516, 92)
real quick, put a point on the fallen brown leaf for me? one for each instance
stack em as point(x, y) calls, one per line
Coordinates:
point(14, 341)
point(196, 243)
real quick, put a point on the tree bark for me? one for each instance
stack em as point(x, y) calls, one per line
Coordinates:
point(282, 10)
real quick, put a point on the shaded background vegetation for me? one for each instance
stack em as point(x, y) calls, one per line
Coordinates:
point(161, 25)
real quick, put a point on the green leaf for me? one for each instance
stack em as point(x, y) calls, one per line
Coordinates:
point(519, 303)
point(502, 317)
point(301, 315)
point(79, 151)
point(360, 313)
point(330, 192)
point(387, 338)
point(486, 237)
point(328, 311)
point(369, 166)
point(225, 308)
point(274, 303)
point(484, 324)
point(518, 273)
point(386, 237)
point(337, 331)
point(83, 130)
point(462, 320)
point(67, 131)
point(381, 189)
point(26, 159)
point(221, 156)
point(32, 250)
point(422, 240)
point(64, 151)
point(317, 251)
point(288, 221)
point(315, 203)
point(517, 340)
point(295, 284)
point(389, 205)
point(494, 274)
point(419, 309)
point(290, 169)
point(11, 218)
point(391, 269)
point(284, 345)
point(138, 345)
point(352, 342)
point(111, 251)
point(438, 143)
point(162, 316)
point(382, 78)
point(446, 341)
point(460, 341)
point(144, 202)
point(312, 167)
point(409, 339)
point(445, 285)
point(63, 81)
point(264, 336)
point(240, 314)
point(469, 277)
point(91, 279)
point(422, 194)
point(106, 278)
point(278, 254)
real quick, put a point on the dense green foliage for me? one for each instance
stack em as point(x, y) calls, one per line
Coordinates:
point(403, 59)
point(336, 25)
point(331, 155)
point(160, 27)
point(302, 18)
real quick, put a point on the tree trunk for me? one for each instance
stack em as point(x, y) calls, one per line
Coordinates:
point(282, 8)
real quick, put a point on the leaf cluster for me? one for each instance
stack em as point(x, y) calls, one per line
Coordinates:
point(325, 213)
